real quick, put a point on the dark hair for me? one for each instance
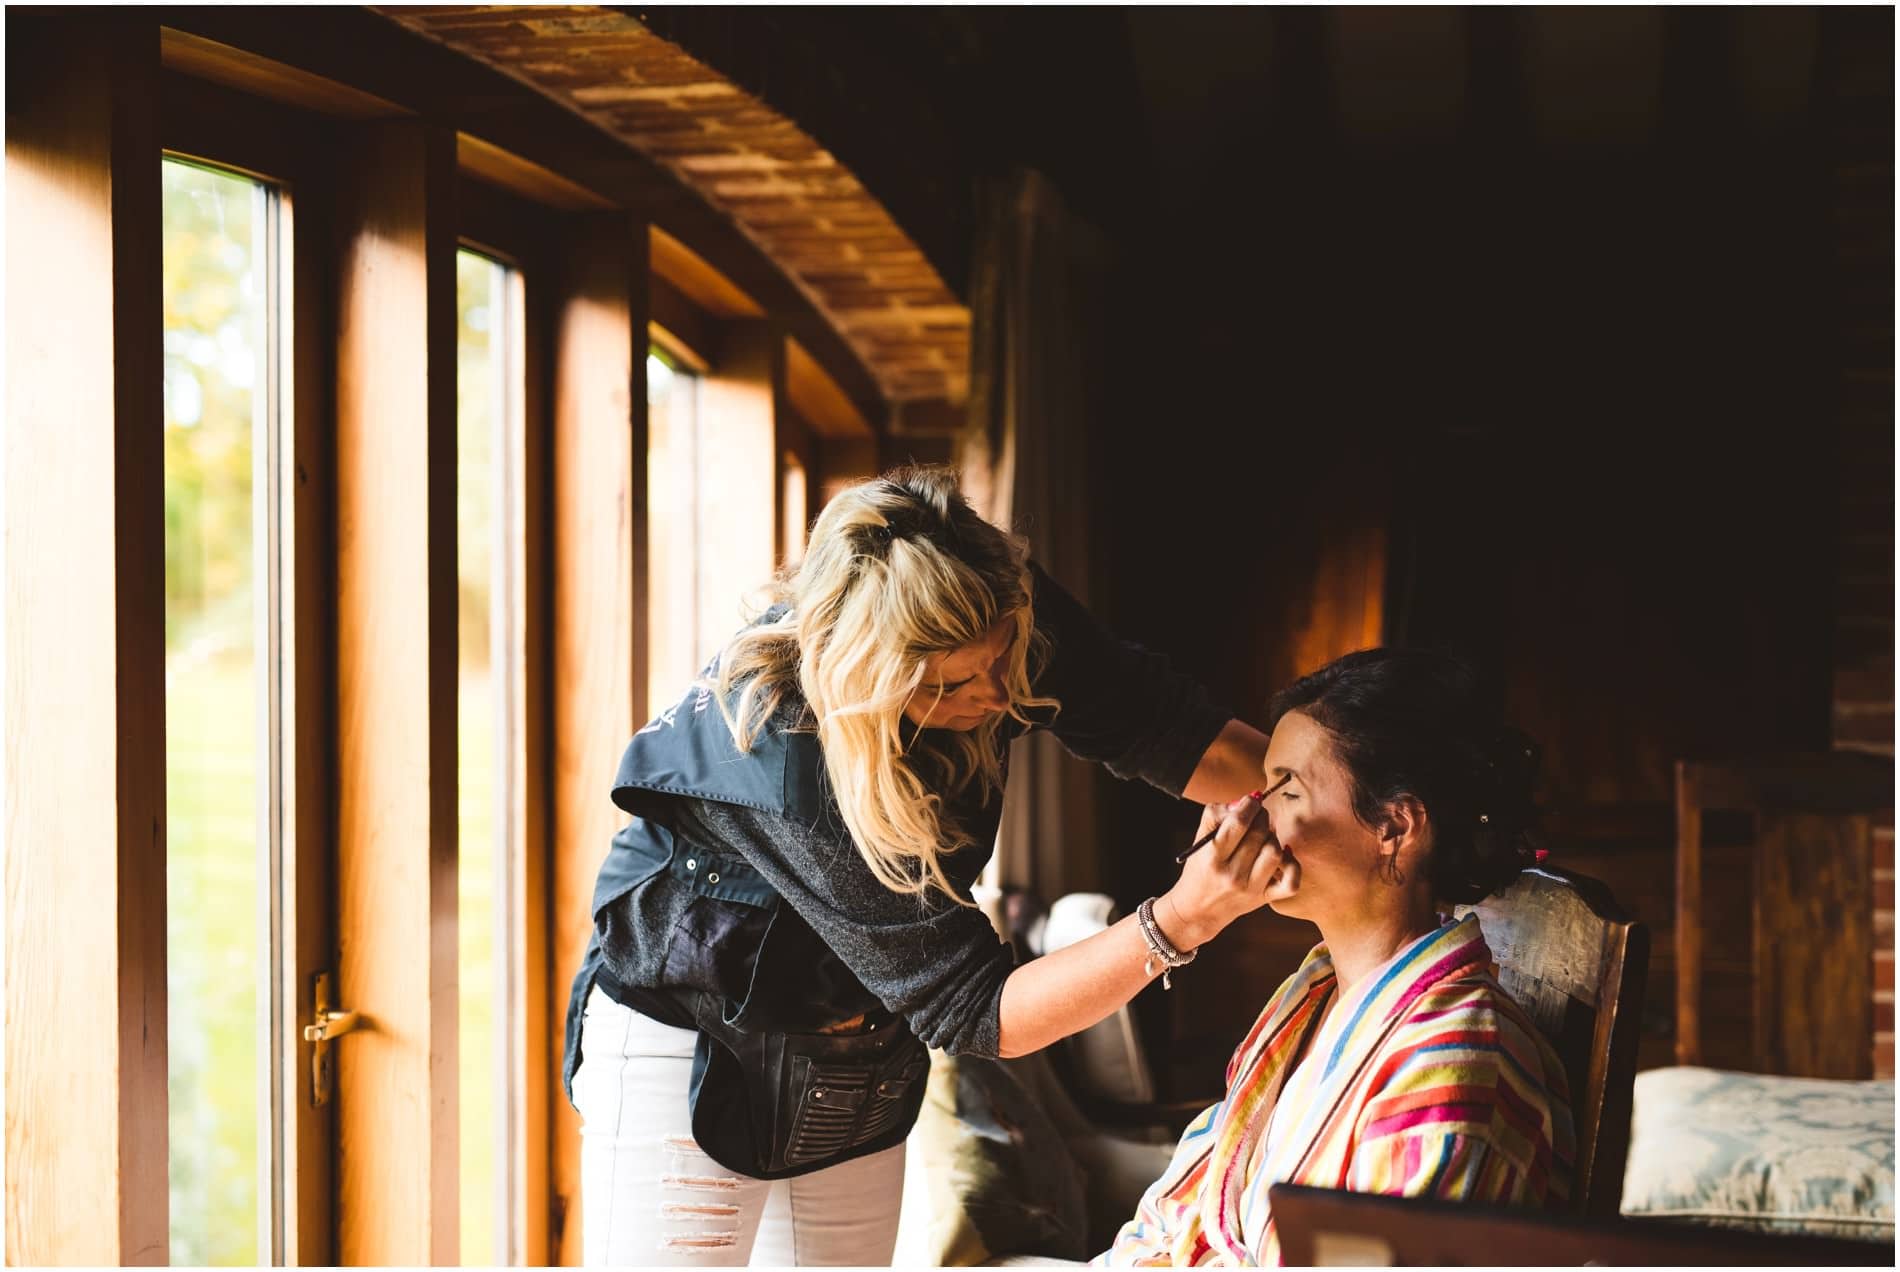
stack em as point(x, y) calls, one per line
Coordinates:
point(1412, 722)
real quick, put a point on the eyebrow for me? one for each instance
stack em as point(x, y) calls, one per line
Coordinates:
point(942, 685)
point(1289, 773)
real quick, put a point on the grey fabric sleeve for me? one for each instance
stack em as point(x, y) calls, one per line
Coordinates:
point(1123, 706)
point(937, 964)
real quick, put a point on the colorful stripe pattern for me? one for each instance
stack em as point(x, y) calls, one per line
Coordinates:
point(1426, 1080)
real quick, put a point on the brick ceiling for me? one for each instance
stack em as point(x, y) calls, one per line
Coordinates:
point(781, 188)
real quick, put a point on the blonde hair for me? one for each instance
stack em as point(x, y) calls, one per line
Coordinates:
point(896, 569)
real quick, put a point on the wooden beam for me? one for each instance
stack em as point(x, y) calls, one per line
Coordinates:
point(397, 1131)
point(260, 77)
point(679, 326)
point(499, 222)
point(524, 176)
point(597, 632)
point(825, 406)
point(86, 1137)
point(202, 120)
point(697, 279)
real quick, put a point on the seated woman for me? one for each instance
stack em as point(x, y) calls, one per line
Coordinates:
point(1391, 1062)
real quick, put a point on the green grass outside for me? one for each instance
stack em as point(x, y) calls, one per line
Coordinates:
point(212, 971)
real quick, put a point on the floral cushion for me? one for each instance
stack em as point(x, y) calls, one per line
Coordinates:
point(1804, 1155)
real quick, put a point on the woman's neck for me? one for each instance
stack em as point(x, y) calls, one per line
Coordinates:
point(1359, 945)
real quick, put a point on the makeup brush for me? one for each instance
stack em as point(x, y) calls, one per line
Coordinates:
point(1208, 838)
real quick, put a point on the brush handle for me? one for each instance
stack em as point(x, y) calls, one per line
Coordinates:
point(1181, 858)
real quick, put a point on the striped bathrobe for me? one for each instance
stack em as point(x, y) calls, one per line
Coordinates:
point(1426, 1080)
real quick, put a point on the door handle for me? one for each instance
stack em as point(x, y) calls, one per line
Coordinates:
point(332, 1022)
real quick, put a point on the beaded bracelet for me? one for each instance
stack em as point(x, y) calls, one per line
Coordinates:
point(1160, 950)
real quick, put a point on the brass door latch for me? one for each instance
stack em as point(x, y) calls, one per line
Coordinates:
point(332, 1022)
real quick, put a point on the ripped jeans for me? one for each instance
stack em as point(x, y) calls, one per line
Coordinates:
point(649, 1197)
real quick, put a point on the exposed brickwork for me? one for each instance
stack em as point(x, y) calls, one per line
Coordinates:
point(805, 210)
point(1883, 952)
point(1863, 647)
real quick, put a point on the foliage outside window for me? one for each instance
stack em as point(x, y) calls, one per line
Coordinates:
point(215, 323)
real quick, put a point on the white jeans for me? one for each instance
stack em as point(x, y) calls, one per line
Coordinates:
point(649, 1197)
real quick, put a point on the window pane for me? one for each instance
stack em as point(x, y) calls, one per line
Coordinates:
point(673, 558)
point(482, 403)
point(214, 320)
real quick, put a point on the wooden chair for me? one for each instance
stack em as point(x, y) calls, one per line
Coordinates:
point(1320, 1227)
point(1575, 962)
point(1800, 838)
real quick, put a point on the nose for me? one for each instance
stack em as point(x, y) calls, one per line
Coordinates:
point(991, 695)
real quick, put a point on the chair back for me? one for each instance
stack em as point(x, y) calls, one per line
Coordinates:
point(1570, 956)
point(1775, 895)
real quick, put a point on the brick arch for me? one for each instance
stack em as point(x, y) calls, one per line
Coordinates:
point(803, 209)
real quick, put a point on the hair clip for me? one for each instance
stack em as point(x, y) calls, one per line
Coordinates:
point(1484, 819)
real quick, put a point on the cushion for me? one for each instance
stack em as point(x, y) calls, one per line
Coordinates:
point(989, 1173)
point(1748, 1150)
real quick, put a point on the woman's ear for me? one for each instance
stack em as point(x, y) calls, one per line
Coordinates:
point(1407, 831)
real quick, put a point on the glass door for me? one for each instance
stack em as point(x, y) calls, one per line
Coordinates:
point(226, 325)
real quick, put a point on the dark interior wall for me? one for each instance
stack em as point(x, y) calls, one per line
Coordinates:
point(1536, 312)
point(1581, 371)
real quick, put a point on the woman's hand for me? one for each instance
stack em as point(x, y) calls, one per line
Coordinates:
point(1240, 871)
point(1070, 989)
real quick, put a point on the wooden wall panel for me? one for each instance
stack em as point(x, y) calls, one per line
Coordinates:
point(597, 635)
point(86, 1135)
point(397, 1131)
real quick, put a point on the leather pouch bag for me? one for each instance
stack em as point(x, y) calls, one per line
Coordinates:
point(772, 1105)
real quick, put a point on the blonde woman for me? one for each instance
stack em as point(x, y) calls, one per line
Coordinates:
point(786, 921)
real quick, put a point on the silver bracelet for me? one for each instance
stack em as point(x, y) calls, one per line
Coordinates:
point(1160, 949)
